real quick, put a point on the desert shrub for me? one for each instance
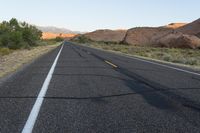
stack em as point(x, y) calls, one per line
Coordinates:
point(81, 39)
point(167, 57)
point(4, 51)
point(51, 41)
point(59, 39)
point(191, 61)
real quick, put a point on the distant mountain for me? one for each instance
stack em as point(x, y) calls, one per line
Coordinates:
point(50, 35)
point(56, 30)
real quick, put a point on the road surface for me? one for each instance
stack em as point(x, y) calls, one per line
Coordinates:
point(80, 89)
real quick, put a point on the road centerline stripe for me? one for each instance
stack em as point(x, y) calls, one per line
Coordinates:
point(113, 65)
point(28, 127)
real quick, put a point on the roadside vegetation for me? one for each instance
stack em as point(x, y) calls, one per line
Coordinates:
point(16, 35)
point(52, 41)
point(189, 57)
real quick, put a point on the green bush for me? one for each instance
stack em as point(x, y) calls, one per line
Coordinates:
point(191, 61)
point(81, 39)
point(16, 35)
point(59, 39)
point(52, 41)
point(167, 57)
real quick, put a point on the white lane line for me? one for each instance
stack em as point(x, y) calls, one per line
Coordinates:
point(178, 69)
point(38, 103)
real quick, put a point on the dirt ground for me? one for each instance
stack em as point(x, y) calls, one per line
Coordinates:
point(15, 60)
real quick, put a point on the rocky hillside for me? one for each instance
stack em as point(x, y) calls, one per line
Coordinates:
point(48, 35)
point(106, 35)
point(178, 40)
point(198, 35)
point(161, 37)
point(175, 25)
point(177, 35)
point(191, 28)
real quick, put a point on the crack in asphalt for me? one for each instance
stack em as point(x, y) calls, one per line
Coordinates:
point(77, 52)
point(92, 97)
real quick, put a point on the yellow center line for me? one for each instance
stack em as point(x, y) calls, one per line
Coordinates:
point(113, 65)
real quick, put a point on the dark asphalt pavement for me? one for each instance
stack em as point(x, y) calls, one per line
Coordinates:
point(92, 91)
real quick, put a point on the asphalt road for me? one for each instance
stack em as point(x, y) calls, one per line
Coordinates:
point(95, 91)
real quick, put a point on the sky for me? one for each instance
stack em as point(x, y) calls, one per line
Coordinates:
point(89, 15)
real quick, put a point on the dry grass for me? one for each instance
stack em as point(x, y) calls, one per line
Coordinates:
point(10, 62)
point(5, 51)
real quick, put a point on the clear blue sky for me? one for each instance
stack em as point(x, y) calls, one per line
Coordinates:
point(88, 15)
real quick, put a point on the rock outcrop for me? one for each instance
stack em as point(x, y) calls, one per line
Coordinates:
point(186, 36)
point(161, 37)
point(145, 35)
point(178, 40)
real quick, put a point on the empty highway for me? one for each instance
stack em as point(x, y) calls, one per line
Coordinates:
point(78, 89)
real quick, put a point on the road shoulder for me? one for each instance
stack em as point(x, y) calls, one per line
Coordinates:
point(21, 58)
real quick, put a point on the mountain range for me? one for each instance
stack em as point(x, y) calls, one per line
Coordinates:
point(56, 30)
